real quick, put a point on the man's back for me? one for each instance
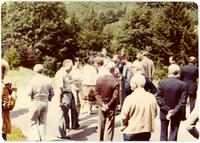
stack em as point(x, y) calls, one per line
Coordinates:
point(189, 74)
point(173, 91)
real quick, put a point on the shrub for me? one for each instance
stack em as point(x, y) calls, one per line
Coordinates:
point(12, 57)
point(49, 65)
point(160, 73)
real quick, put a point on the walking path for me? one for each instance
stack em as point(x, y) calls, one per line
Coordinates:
point(87, 131)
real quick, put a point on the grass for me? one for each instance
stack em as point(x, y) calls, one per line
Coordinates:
point(16, 135)
point(21, 77)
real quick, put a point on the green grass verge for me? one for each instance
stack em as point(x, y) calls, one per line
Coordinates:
point(16, 135)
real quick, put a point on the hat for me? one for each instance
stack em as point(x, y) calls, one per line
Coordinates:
point(38, 68)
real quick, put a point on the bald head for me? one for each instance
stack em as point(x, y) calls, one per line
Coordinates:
point(192, 60)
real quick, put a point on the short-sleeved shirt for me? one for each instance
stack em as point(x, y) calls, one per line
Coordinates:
point(63, 80)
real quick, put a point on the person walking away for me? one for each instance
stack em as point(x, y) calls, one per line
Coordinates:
point(40, 91)
point(189, 74)
point(106, 93)
point(138, 118)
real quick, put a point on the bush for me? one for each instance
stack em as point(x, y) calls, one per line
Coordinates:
point(161, 73)
point(49, 66)
point(12, 57)
point(16, 135)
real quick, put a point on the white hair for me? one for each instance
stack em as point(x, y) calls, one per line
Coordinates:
point(138, 65)
point(38, 68)
point(173, 69)
point(139, 79)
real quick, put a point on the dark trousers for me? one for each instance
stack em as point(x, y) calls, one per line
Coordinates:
point(173, 130)
point(4, 136)
point(137, 137)
point(106, 124)
point(192, 99)
point(74, 113)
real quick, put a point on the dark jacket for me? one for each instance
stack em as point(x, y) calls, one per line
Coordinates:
point(172, 94)
point(107, 91)
point(189, 74)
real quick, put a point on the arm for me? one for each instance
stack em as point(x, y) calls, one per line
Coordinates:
point(125, 115)
point(97, 93)
point(182, 100)
point(160, 100)
point(115, 95)
point(8, 101)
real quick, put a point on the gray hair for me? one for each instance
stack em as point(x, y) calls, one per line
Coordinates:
point(138, 65)
point(139, 79)
point(67, 62)
point(38, 68)
point(173, 70)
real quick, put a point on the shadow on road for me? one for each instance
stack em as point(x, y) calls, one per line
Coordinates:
point(15, 114)
point(82, 136)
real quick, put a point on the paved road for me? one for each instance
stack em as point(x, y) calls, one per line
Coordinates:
point(87, 132)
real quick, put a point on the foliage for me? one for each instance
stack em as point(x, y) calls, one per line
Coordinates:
point(53, 31)
point(16, 135)
point(42, 28)
point(12, 57)
point(173, 31)
point(49, 66)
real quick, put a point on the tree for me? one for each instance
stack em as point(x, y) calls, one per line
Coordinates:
point(173, 33)
point(42, 28)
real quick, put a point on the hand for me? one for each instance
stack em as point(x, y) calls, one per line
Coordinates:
point(104, 108)
point(169, 114)
point(61, 104)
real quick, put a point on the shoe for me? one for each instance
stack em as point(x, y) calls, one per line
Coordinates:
point(65, 137)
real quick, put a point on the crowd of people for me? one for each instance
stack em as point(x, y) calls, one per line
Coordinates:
point(115, 86)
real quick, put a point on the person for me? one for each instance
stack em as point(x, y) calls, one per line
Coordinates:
point(40, 91)
point(136, 68)
point(106, 58)
point(171, 97)
point(173, 60)
point(107, 92)
point(193, 118)
point(66, 100)
point(138, 119)
point(8, 97)
point(189, 74)
point(148, 65)
point(76, 87)
point(89, 82)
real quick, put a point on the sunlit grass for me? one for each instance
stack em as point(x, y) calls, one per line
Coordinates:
point(16, 135)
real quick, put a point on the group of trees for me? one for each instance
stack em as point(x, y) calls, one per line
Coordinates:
point(49, 32)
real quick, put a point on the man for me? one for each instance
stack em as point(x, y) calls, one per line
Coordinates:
point(172, 60)
point(189, 74)
point(193, 118)
point(40, 91)
point(9, 97)
point(66, 99)
point(148, 65)
point(138, 118)
point(106, 93)
point(106, 58)
point(171, 96)
point(137, 69)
